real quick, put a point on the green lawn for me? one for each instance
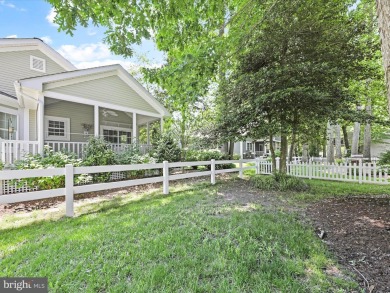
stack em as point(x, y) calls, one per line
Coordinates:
point(189, 241)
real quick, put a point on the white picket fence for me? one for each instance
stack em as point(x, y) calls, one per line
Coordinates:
point(361, 173)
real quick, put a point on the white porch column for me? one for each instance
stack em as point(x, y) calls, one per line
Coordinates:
point(134, 134)
point(147, 133)
point(96, 121)
point(41, 123)
point(26, 124)
point(241, 149)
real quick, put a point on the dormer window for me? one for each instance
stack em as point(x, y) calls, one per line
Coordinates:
point(37, 64)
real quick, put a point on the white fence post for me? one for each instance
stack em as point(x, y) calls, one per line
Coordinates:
point(240, 173)
point(165, 177)
point(69, 197)
point(277, 163)
point(212, 171)
point(257, 165)
point(360, 171)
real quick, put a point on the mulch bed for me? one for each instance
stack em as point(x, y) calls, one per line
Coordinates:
point(357, 231)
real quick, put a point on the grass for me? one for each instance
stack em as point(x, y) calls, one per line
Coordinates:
point(189, 241)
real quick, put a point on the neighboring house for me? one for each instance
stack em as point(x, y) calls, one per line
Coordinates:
point(256, 147)
point(44, 99)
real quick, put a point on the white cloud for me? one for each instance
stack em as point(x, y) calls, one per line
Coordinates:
point(12, 36)
point(47, 40)
point(85, 52)
point(50, 17)
point(96, 54)
point(91, 32)
point(11, 5)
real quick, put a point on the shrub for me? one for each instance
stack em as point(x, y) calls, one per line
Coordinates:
point(167, 149)
point(384, 158)
point(50, 159)
point(98, 152)
point(132, 156)
point(279, 182)
point(208, 155)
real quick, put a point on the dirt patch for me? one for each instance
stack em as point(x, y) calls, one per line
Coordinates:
point(357, 231)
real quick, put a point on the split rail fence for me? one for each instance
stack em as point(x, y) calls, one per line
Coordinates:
point(360, 173)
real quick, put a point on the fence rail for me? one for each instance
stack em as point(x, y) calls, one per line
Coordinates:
point(361, 173)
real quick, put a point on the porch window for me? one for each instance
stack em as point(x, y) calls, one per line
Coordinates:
point(116, 134)
point(249, 147)
point(57, 128)
point(8, 126)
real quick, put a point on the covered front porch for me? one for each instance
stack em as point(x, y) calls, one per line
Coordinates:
point(64, 110)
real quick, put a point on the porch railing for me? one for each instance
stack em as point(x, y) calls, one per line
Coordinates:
point(12, 150)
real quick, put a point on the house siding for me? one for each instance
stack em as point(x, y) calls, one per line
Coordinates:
point(16, 65)
point(32, 125)
point(77, 113)
point(109, 90)
point(81, 113)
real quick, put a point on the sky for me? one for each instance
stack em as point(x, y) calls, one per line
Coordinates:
point(34, 18)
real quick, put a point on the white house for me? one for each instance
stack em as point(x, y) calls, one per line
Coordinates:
point(44, 99)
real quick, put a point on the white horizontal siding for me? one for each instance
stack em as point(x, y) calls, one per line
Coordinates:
point(109, 90)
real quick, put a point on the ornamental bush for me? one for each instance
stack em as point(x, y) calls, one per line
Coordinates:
point(98, 152)
point(279, 182)
point(50, 159)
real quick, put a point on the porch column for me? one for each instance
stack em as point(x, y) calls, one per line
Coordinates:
point(241, 149)
point(26, 124)
point(134, 127)
point(147, 133)
point(41, 123)
point(96, 121)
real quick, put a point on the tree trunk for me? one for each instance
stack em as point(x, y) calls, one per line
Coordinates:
point(367, 134)
point(338, 141)
point(272, 150)
point(330, 147)
point(355, 139)
point(383, 12)
point(291, 152)
point(345, 136)
point(305, 153)
point(283, 153)
point(225, 147)
point(324, 141)
point(231, 149)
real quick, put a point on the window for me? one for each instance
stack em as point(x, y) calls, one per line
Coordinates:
point(57, 128)
point(116, 134)
point(37, 64)
point(8, 126)
point(249, 147)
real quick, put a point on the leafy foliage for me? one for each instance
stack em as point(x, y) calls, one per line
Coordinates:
point(132, 156)
point(279, 182)
point(384, 159)
point(208, 155)
point(99, 153)
point(167, 149)
point(50, 159)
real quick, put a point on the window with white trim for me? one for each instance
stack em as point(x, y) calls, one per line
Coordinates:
point(116, 134)
point(249, 147)
point(57, 128)
point(8, 126)
point(37, 64)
